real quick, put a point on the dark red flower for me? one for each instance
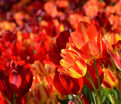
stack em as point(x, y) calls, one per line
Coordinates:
point(66, 84)
point(55, 51)
point(16, 79)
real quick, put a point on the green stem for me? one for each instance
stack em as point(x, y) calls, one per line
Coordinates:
point(74, 98)
point(14, 98)
point(7, 99)
point(97, 97)
point(99, 101)
point(98, 78)
point(90, 79)
point(27, 96)
point(112, 99)
point(80, 99)
point(94, 99)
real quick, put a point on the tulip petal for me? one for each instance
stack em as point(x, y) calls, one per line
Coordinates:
point(116, 59)
point(15, 79)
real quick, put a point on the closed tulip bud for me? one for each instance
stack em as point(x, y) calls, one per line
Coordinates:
point(66, 84)
point(73, 64)
point(110, 79)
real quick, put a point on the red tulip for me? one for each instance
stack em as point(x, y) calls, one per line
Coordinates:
point(66, 84)
point(55, 51)
point(15, 79)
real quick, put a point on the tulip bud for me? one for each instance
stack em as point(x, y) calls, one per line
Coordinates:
point(73, 64)
point(66, 84)
point(110, 79)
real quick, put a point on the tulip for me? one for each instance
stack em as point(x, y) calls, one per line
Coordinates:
point(16, 79)
point(66, 84)
point(73, 64)
point(41, 95)
point(113, 42)
point(110, 79)
point(86, 40)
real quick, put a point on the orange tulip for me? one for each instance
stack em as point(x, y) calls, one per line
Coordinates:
point(86, 40)
point(51, 9)
point(73, 64)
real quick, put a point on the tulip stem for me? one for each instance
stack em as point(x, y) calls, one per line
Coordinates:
point(80, 99)
point(98, 78)
point(90, 79)
point(14, 98)
point(93, 97)
point(74, 98)
point(7, 99)
point(112, 99)
point(98, 98)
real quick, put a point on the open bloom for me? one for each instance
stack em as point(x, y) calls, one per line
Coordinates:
point(66, 84)
point(86, 40)
point(16, 79)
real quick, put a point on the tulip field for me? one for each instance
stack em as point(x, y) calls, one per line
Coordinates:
point(60, 51)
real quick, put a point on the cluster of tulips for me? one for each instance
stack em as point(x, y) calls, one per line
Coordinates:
point(60, 51)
